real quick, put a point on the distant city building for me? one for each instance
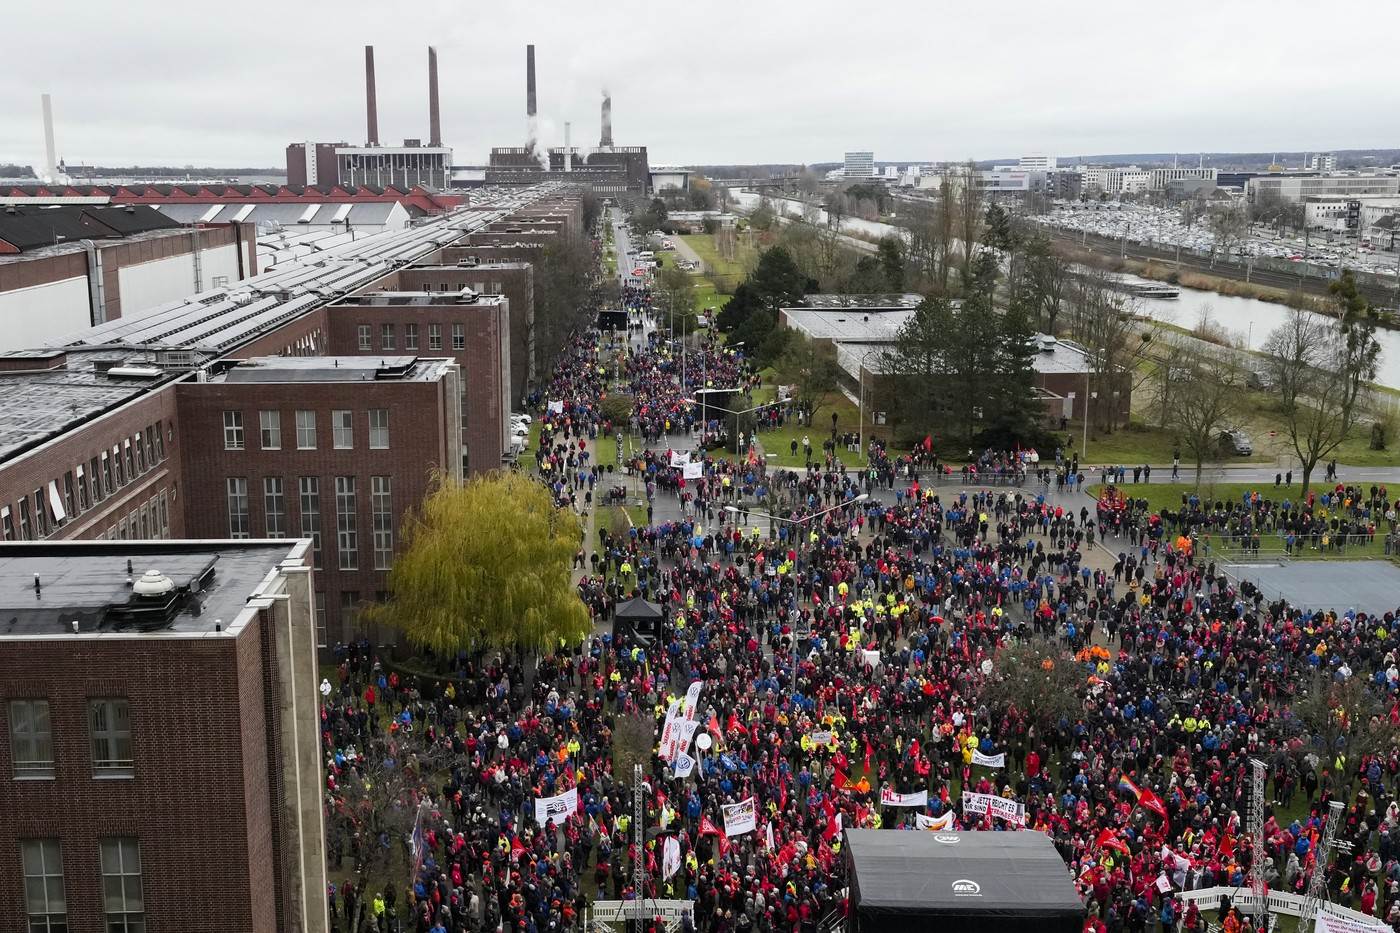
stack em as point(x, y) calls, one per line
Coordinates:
point(860, 165)
point(1065, 184)
point(1298, 187)
point(1159, 178)
point(154, 694)
point(665, 177)
point(1037, 163)
point(1323, 162)
point(891, 172)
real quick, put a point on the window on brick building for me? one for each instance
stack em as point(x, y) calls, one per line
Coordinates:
point(410, 336)
point(379, 429)
point(26, 527)
point(349, 611)
point(270, 429)
point(108, 487)
point(163, 511)
point(122, 901)
point(321, 631)
point(7, 522)
point(434, 336)
point(41, 514)
point(386, 337)
point(31, 739)
point(117, 466)
point(382, 505)
point(160, 442)
point(233, 430)
point(274, 507)
point(45, 903)
point(237, 492)
point(347, 538)
point(69, 506)
point(140, 446)
point(310, 489)
point(130, 460)
point(343, 429)
point(84, 500)
point(364, 334)
point(459, 337)
point(110, 722)
point(151, 456)
point(306, 430)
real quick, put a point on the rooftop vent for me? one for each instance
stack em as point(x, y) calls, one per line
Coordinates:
point(153, 583)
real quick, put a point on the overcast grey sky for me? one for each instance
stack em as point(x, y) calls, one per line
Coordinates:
point(156, 81)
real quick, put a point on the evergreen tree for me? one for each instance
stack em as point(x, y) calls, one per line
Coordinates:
point(999, 234)
point(892, 252)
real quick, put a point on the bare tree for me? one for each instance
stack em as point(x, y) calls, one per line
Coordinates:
point(971, 214)
point(946, 220)
point(1205, 399)
point(1230, 224)
point(1306, 365)
point(1099, 320)
point(1049, 276)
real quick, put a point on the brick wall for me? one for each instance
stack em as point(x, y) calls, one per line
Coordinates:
point(419, 413)
point(198, 804)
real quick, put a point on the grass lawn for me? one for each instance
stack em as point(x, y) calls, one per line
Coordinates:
point(1168, 496)
point(729, 271)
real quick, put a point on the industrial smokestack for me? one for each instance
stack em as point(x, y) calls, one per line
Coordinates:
point(529, 80)
point(606, 140)
point(50, 157)
point(568, 153)
point(371, 106)
point(434, 119)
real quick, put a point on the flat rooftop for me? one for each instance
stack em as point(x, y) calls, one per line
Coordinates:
point(87, 582)
point(399, 299)
point(885, 302)
point(286, 369)
point(853, 326)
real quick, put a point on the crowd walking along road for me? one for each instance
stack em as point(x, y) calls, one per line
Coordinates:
point(834, 652)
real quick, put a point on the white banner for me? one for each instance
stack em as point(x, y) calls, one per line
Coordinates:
point(680, 458)
point(1331, 923)
point(870, 657)
point(666, 749)
point(556, 408)
point(1002, 807)
point(685, 731)
point(693, 470)
point(683, 766)
point(890, 798)
point(1164, 883)
point(989, 761)
point(822, 737)
point(741, 817)
point(935, 823)
point(692, 699)
point(558, 808)
point(670, 857)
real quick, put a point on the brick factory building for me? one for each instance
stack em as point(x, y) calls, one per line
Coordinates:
point(131, 669)
point(119, 432)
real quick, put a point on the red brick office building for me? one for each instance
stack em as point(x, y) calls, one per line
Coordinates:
point(161, 756)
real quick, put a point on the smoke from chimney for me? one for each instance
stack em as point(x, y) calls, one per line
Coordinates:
point(434, 118)
point(50, 156)
point(371, 106)
point(606, 140)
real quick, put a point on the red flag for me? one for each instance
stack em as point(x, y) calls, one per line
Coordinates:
point(1227, 846)
point(1152, 802)
point(928, 442)
point(869, 753)
point(839, 780)
point(1108, 839)
point(833, 828)
point(517, 848)
point(708, 828)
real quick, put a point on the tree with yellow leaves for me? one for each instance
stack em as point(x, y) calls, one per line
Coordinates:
point(486, 565)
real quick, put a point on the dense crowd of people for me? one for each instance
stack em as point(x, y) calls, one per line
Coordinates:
point(844, 640)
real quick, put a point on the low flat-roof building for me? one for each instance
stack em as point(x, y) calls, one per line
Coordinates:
point(162, 738)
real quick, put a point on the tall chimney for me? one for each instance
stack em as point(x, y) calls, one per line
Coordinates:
point(434, 119)
point(371, 107)
point(50, 157)
point(529, 80)
point(568, 153)
point(606, 140)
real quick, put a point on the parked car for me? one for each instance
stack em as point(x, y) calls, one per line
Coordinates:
point(1236, 442)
